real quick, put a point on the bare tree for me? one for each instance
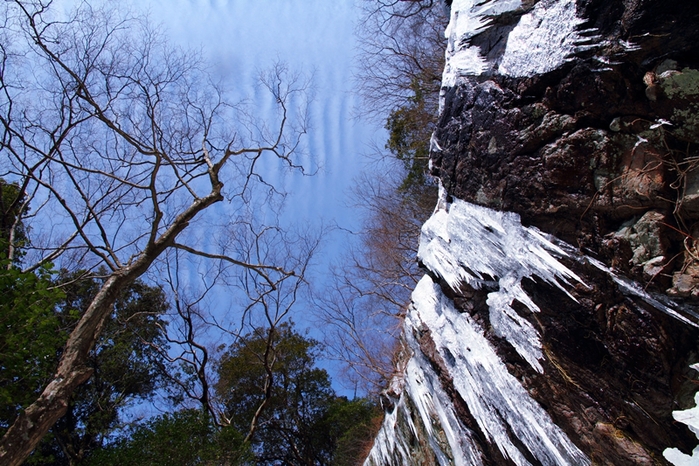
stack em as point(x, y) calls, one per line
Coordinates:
point(402, 52)
point(260, 303)
point(120, 144)
point(402, 56)
point(371, 290)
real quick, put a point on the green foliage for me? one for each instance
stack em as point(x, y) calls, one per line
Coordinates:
point(37, 314)
point(30, 333)
point(30, 337)
point(126, 365)
point(410, 128)
point(38, 310)
point(184, 438)
point(302, 420)
point(11, 204)
point(353, 424)
point(298, 396)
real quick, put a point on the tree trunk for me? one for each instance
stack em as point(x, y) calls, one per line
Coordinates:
point(35, 421)
point(31, 425)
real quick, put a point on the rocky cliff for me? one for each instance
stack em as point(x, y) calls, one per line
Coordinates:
point(558, 320)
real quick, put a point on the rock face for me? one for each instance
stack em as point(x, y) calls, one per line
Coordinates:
point(558, 318)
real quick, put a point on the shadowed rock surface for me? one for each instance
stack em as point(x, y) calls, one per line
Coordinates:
point(558, 321)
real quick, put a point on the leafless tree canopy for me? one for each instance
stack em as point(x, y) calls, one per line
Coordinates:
point(371, 290)
point(401, 60)
point(121, 143)
point(401, 46)
point(195, 330)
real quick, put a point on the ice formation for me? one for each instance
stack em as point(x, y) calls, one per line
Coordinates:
point(690, 417)
point(467, 243)
point(498, 402)
point(542, 40)
point(425, 411)
point(468, 18)
point(456, 398)
point(461, 244)
point(529, 48)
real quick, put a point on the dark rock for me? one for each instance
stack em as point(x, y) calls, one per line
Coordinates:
point(580, 150)
point(602, 152)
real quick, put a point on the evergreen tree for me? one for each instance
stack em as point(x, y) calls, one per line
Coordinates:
point(273, 391)
point(126, 366)
point(29, 329)
point(183, 438)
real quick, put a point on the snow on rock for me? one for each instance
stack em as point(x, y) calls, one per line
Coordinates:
point(423, 426)
point(690, 417)
point(500, 405)
point(541, 41)
point(467, 243)
point(468, 18)
point(585, 365)
point(631, 288)
point(457, 401)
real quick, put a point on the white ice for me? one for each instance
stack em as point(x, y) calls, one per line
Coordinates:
point(631, 288)
point(468, 18)
point(543, 39)
point(690, 417)
point(449, 440)
point(466, 243)
point(499, 403)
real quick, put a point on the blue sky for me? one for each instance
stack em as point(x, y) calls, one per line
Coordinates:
point(240, 38)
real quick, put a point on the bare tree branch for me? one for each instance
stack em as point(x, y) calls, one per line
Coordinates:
point(363, 309)
point(124, 143)
point(401, 45)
